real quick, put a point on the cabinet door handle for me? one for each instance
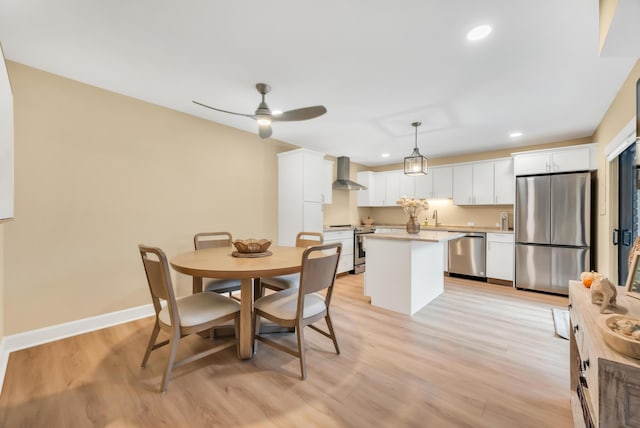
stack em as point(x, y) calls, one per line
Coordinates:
point(586, 364)
point(576, 328)
point(569, 306)
point(615, 236)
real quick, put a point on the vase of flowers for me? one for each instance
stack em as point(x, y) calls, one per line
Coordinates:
point(413, 207)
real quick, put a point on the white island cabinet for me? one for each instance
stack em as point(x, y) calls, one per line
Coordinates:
point(404, 271)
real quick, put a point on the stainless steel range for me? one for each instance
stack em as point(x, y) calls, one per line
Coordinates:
point(360, 247)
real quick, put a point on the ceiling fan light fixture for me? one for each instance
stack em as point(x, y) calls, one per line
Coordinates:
point(478, 33)
point(415, 164)
point(264, 116)
point(262, 121)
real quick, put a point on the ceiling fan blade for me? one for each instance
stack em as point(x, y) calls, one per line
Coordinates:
point(224, 111)
point(264, 131)
point(300, 114)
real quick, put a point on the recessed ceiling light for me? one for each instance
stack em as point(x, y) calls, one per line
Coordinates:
point(385, 155)
point(515, 134)
point(479, 32)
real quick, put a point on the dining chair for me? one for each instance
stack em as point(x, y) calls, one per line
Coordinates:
point(211, 240)
point(283, 282)
point(182, 316)
point(302, 306)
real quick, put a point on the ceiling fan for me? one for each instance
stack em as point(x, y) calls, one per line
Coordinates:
point(263, 115)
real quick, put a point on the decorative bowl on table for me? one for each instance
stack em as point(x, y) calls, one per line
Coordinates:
point(621, 333)
point(248, 247)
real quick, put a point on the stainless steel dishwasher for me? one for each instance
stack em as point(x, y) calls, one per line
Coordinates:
point(467, 255)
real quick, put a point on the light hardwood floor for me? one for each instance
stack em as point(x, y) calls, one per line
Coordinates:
point(480, 355)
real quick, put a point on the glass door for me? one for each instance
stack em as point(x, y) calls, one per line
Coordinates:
point(627, 209)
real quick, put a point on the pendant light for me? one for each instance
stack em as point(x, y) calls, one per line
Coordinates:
point(415, 164)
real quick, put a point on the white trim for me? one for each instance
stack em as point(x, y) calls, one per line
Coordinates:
point(4, 360)
point(620, 142)
point(27, 339)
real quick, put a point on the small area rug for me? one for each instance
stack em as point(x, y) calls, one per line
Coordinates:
point(561, 322)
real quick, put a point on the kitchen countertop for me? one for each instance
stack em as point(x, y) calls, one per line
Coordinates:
point(443, 228)
point(424, 235)
point(337, 229)
point(449, 228)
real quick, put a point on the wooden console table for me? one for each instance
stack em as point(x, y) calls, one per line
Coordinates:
point(604, 381)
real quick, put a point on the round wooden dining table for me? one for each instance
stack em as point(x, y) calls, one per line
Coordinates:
point(219, 263)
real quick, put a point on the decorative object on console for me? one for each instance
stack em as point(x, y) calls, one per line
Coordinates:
point(415, 163)
point(622, 333)
point(603, 293)
point(251, 247)
point(632, 287)
point(413, 207)
point(587, 278)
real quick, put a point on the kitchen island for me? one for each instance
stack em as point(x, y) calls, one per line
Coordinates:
point(404, 271)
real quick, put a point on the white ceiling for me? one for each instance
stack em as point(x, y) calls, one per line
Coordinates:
point(376, 65)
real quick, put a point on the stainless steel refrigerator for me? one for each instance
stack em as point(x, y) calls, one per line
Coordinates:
point(553, 232)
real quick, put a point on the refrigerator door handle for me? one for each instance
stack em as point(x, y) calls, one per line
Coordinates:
point(615, 236)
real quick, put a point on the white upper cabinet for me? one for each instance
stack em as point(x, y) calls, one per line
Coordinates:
point(314, 174)
point(380, 189)
point(504, 182)
point(484, 183)
point(397, 184)
point(473, 184)
point(327, 193)
point(483, 191)
point(383, 188)
point(407, 185)
point(424, 185)
point(366, 197)
point(392, 186)
point(563, 159)
point(442, 182)
point(462, 182)
point(437, 184)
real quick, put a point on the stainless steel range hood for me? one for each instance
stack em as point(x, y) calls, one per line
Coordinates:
point(343, 182)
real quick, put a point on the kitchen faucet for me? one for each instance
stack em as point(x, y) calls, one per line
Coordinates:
point(435, 215)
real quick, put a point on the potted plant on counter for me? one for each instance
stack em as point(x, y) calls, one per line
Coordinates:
point(413, 207)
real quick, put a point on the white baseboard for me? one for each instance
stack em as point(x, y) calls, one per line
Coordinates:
point(27, 339)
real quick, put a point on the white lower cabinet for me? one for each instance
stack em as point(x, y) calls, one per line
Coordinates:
point(500, 256)
point(345, 264)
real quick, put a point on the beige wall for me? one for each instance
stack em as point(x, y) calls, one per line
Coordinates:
point(620, 112)
point(344, 207)
point(97, 173)
point(448, 214)
point(607, 12)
